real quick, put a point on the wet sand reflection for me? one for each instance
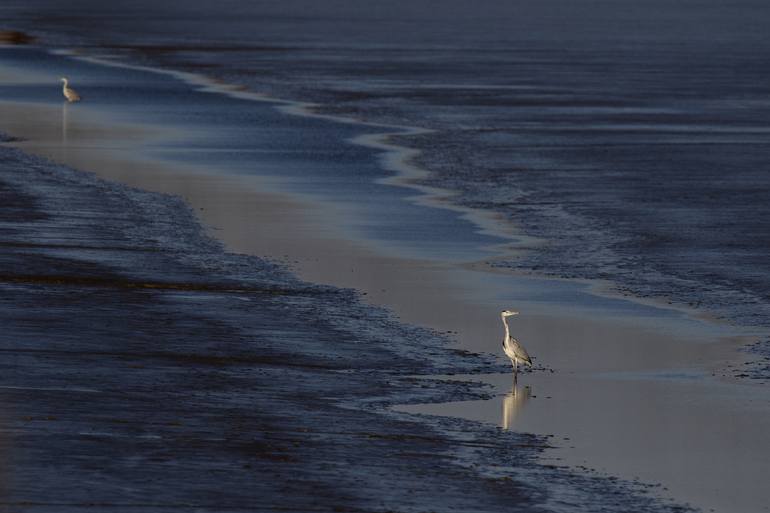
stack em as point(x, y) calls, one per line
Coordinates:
point(513, 404)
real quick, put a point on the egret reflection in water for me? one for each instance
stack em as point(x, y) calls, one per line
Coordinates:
point(513, 404)
point(64, 123)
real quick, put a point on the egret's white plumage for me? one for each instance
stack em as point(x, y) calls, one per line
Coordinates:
point(513, 349)
point(69, 93)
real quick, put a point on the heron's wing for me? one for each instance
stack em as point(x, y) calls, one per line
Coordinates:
point(71, 95)
point(519, 351)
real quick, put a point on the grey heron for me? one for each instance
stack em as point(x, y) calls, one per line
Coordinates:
point(69, 93)
point(513, 349)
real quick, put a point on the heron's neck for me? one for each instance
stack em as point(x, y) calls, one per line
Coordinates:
point(64, 86)
point(505, 323)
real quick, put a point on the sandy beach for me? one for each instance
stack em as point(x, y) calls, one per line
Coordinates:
point(633, 405)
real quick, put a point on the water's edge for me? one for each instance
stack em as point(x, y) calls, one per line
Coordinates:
point(230, 328)
point(336, 308)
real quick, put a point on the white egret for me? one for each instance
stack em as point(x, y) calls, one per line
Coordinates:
point(69, 93)
point(513, 349)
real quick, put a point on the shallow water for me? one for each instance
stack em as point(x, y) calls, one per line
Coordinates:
point(632, 425)
point(235, 180)
point(630, 136)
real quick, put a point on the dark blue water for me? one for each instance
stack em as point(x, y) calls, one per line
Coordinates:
point(632, 136)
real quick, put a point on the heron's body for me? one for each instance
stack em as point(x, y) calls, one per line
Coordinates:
point(69, 93)
point(513, 349)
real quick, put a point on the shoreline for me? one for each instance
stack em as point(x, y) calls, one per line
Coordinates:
point(170, 389)
point(407, 174)
point(490, 332)
point(395, 158)
point(182, 413)
point(399, 160)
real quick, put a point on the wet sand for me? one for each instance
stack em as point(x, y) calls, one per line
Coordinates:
point(711, 456)
point(649, 356)
point(144, 368)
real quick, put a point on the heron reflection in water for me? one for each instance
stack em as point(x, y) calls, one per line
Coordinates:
point(513, 349)
point(513, 403)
